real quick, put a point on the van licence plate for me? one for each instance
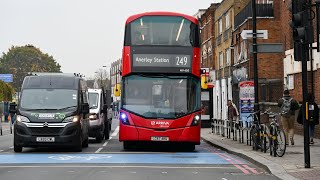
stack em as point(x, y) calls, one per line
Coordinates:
point(158, 138)
point(45, 139)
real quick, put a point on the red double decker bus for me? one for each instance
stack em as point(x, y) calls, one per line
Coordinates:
point(160, 88)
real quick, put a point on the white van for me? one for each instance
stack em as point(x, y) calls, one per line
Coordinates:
point(100, 123)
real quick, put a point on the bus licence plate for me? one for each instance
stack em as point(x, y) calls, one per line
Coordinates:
point(45, 139)
point(157, 138)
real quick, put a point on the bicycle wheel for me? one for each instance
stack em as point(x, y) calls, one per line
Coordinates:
point(265, 139)
point(281, 143)
point(255, 138)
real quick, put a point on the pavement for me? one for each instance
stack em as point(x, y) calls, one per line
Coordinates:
point(4, 128)
point(290, 166)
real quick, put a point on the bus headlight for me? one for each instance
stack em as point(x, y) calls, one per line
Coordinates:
point(71, 119)
point(22, 119)
point(196, 120)
point(124, 119)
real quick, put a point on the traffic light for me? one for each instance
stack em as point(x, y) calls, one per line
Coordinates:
point(302, 31)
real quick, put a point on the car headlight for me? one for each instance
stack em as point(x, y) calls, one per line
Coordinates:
point(22, 119)
point(71, 119)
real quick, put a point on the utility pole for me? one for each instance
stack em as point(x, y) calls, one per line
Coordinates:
point(255, 60)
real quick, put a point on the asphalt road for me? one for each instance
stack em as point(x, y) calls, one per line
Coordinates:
point(107, 160)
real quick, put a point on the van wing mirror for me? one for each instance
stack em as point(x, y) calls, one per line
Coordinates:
point(85, 108)
point(13, 108)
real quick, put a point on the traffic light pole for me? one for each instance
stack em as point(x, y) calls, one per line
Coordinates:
point(304, 106)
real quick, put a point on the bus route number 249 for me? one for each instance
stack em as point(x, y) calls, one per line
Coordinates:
point(181, 61)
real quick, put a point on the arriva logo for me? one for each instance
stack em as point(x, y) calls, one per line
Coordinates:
point(162, 123)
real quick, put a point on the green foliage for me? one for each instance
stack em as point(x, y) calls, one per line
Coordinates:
point(6, 91)
point(20, 60)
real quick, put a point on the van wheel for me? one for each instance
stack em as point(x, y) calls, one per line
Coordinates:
point(99, 138)
point(17, 149)
point(107, 131)
point(78, 148)
point(86, 142)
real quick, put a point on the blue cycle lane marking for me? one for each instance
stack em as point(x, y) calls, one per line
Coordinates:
point(172, 158)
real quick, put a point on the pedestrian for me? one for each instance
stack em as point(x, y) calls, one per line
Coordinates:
point(233, 114)
point(313, 116)
point(288, 106)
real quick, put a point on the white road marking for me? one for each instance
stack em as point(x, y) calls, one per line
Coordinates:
point(164, 172)
point(115, 132)
point(11, 147)
point(224, 179)
point(105, 144)
point(99, 150)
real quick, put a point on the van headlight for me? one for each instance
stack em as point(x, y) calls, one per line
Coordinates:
point(93, 116)
point(22, 119)
point(71, 119)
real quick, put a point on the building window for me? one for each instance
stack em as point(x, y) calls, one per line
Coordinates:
point(220, 26)
point(221, 59)
point(227, 20)
point(228, 57)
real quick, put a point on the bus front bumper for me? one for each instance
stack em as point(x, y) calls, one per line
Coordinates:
point(184, 135)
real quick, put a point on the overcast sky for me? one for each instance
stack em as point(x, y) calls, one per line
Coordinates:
point(82, 35)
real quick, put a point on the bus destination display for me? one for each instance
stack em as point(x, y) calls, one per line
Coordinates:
point(161, 60)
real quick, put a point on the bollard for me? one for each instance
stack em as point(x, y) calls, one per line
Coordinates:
point(242, 133)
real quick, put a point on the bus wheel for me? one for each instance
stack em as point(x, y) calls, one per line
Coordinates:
point(126, 145)
point(190, 147)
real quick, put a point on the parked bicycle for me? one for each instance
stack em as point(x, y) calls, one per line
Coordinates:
point(259, 133)
point(277, 135)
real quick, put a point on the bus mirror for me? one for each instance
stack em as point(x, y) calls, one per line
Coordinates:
point(204, 82)
point(117, 90)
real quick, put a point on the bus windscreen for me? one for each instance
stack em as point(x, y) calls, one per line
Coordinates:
point(163, 30)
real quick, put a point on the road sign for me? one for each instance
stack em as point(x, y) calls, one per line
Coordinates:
point(245, 34)
point(6, 78)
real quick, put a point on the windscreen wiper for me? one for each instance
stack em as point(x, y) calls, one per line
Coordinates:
point(66, 107)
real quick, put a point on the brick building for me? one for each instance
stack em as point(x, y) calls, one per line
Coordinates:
point(207, 37)
point(270, 65)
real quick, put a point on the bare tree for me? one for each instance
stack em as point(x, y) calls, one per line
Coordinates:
point(103, 78)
